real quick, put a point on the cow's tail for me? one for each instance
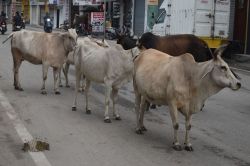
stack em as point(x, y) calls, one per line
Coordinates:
point(10, 36)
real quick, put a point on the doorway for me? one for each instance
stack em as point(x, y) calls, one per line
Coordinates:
point(57, 17)
point(240, 23)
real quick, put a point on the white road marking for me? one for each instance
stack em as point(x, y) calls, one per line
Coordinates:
point(38, 157)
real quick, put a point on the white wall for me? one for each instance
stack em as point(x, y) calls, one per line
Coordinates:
point(34, 15)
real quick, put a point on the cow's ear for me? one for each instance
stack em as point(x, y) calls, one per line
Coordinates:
point(207, 70)
point(219, 51)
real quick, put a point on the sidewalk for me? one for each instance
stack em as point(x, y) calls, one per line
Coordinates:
point(240, 61)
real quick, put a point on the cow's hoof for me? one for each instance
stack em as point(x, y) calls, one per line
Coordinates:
point(202, 107)
point(143, 128)
point(189, 148)
point(153, 106)
point(57, 93)
point(73, 108)
point(67, 86)
point(107, 120)
point(44, 93)
point(18, 88)
point(80, 90)
point(177, 147)
point(118, 118)
point(88, 111)
point(139, 131)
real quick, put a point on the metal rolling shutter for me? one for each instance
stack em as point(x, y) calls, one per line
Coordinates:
point(139, 17)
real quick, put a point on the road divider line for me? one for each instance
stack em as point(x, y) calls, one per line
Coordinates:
point(38, 157)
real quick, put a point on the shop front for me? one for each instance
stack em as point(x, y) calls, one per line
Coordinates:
point(26, 10)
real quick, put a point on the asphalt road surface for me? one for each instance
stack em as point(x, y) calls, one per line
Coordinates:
point(220, 134)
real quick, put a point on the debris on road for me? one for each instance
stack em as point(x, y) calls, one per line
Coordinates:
point(35, 145)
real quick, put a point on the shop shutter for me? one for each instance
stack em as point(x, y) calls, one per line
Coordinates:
point(139, 17)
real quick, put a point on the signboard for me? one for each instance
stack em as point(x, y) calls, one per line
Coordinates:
point(97, 20)
point(82, 2)
point(152, 13)
point(152, 2)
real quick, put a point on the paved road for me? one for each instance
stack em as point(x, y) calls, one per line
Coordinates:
point(220, 134)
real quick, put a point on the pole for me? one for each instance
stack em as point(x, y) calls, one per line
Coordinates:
point(104, 24)
point(46, 6)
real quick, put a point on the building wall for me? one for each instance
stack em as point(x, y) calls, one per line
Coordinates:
point(140, 16)
point(37, 12)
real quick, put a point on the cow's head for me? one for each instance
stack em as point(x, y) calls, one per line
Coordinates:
point(73, 33)
point(221, 73)
point(69, 41)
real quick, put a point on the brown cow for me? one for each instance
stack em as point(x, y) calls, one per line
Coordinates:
point(176, 45)
point(48, 49)
point(180, 83)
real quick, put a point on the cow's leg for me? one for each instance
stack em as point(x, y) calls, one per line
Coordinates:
point(88, 111)
point(82, 88)
point(60, 79)
point(147, 109)
point(174, 116)
point(17, 63)
point(137, 108)
point(144, 106)
point(78, 77)
point(45, 72)
point(65, 72)
point(56, 72)
point(114, 96)
point(140, 113)
point(108, 89)
point(188, 145)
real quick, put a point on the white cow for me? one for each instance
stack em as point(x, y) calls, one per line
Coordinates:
point(180, 83)
point(70, 59)
point(110, 66)
point(48, 49)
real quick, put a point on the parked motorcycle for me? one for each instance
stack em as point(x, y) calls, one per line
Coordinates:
point(111, 33)
point(82, 30)
point(23, 24)
point(65, 25)
point(3, 27)
point(19, 26)
point(48, 25)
